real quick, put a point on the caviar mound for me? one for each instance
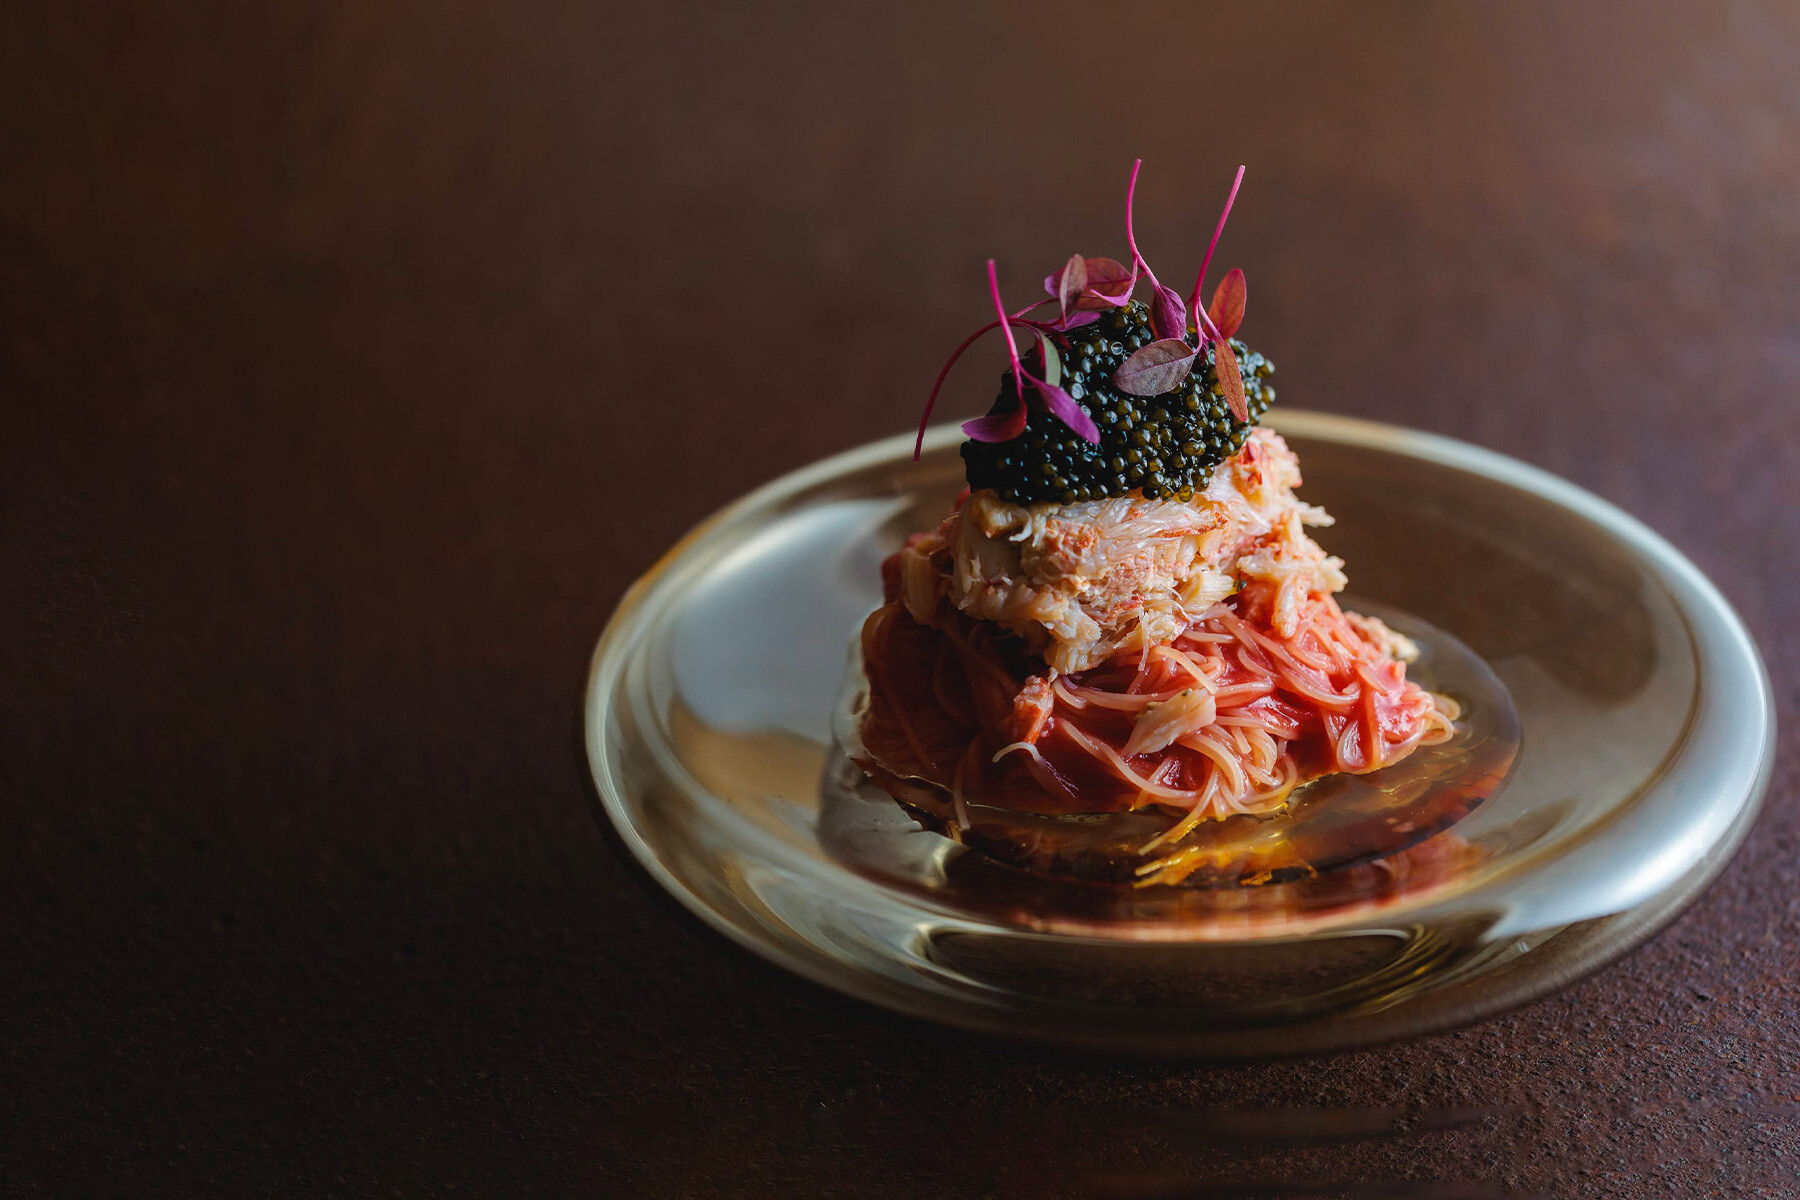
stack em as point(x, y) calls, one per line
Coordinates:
point(1162, 446)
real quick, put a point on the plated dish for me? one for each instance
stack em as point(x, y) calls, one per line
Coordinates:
point(1576, 749)
point(1125, 613)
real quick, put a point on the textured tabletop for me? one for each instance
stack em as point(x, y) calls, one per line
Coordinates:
point(356, 357)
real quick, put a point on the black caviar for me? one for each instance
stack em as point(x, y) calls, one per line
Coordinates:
point(1164, 446)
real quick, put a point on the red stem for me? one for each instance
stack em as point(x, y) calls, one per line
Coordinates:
point(1200, 280)
point(925, 420)
point(1137, 260)
point(1005, 323)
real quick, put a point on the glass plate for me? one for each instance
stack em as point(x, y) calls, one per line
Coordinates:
point(1645, 735)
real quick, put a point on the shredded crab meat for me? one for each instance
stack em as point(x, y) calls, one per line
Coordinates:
point(1397, 645)
point(1084, 582)
point(1166, 722)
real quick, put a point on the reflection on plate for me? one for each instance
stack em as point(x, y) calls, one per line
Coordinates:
point(1383, 905)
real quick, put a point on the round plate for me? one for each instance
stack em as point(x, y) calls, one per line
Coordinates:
point(1646, 735)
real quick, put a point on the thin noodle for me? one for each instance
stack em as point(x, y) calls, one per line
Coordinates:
point(1108, 755)
point(1027, 747)
point(1291, 680)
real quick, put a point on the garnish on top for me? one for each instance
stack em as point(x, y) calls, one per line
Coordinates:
point(1114, 395)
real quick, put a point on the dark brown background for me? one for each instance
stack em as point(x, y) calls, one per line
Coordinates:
point(357, 356)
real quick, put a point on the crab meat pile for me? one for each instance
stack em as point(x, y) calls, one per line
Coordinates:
point(1082, 583)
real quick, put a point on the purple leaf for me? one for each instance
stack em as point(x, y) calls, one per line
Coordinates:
point(1231, 382)
point(1074, 320)
point(1109, 284)
point(997, 427)
point(1156, 368)
point(1168, 315)
point(1067, 411)
point(1072, 282)
point(1227, 310)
